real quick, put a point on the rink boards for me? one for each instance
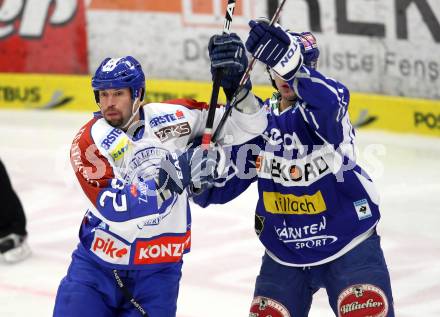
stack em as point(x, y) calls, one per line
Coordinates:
point(73, 93)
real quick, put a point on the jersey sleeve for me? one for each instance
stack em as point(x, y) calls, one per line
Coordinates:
point(325, 105)
point(238, 176)
point(115, 200)
point(239, 128)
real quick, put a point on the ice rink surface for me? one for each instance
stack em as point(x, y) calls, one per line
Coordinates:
point(220, 271)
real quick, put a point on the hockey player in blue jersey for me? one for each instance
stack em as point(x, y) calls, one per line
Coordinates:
point(317, 210)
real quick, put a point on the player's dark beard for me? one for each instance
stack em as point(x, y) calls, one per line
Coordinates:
point(115, 123)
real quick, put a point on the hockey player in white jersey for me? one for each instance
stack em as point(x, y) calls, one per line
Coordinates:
point(138, 226)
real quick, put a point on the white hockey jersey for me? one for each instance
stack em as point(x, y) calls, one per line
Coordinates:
point(127, 226)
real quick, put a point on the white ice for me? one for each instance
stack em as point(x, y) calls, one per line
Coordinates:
point(220, 271)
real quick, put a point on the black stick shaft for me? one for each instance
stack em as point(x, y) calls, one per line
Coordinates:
point(207, 133)
point(243, 80)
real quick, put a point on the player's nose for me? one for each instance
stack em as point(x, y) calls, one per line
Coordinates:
point(110, 101)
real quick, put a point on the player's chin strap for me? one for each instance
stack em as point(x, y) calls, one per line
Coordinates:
point(137, 103)
point(128, 295)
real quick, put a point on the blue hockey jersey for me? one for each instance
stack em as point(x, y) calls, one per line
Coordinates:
point(315, 203)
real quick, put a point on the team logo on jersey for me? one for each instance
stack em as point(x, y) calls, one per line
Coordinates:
point(362, 209)
point(267, 307)
point(110, 249)
point(173, 131)
point(162, 250)
point(166, 118)
point(307, 236)
point(362, 300)
point(288, 204)
point(144, 161)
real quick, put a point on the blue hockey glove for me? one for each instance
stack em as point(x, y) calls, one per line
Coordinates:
point(309, 48)
point(274, 47)
point(227, 53)
point(196, 168)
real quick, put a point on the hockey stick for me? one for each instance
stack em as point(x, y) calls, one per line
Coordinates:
point(128, 295)
point(207, 133)
point(244, 79)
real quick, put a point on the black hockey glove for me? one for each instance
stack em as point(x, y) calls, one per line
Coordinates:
point(274, 47)
point(227, 54)
point(196, 168)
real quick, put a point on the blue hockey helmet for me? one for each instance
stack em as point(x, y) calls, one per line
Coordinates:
point(123, 72)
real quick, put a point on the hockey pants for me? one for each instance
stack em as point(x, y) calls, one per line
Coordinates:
point(357, 284)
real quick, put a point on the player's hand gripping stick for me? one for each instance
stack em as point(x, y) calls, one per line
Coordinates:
point(244, 79)
point(207, 133)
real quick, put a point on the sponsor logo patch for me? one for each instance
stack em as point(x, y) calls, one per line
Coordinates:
point(362, 300)
point(288, 204)
point(180, 114)
point(306, 237)
point(362, 209)
point(110, 249)
point(166, 118)
point(173, 131)
point(110, 138)
point(288, 172)
point(162, 250)
point(266, 307)
point(120, 149)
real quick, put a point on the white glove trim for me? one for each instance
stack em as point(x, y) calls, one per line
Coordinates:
point(291, 60)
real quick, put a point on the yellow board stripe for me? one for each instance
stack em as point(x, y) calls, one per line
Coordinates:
point(73, 93)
